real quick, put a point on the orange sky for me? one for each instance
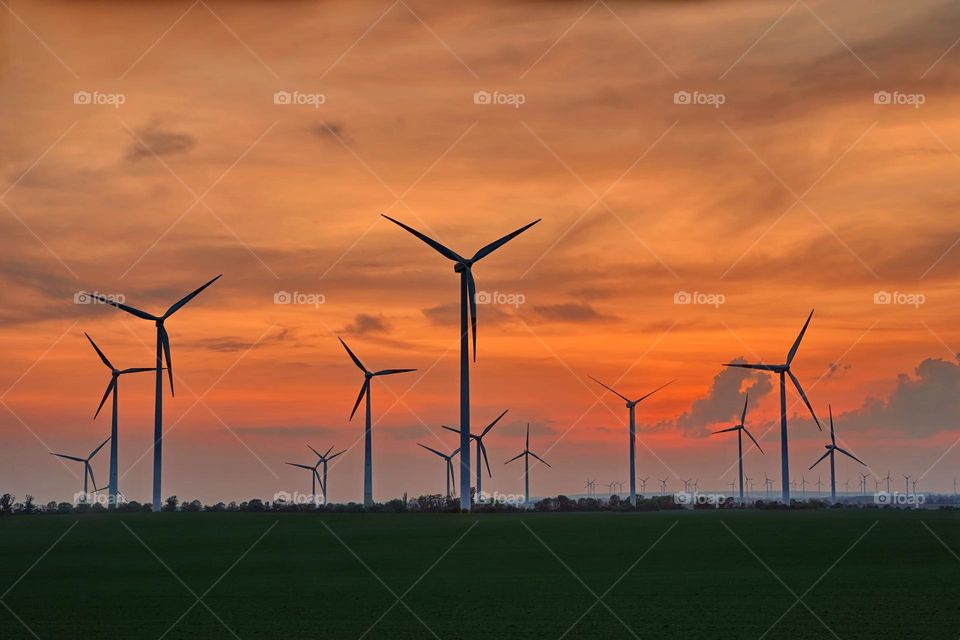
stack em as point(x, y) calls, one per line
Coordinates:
point(799, 191)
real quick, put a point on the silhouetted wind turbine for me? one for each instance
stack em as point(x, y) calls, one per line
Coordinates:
point(663, 486)
point(481, 449)
point(888, 481)
point(832, 448)
point(324, 458)
point(449, 461)
point(468, 316)
point(631, 406)
point(112, 388)
point(314, 476)
point(643, 484)
point(819, 485)
point(906, 484)
point(87, 469)
point(863, 481)
point(163, 353)
point(781, 370)
point(741, 429)
point(525, 454)
point(367, 435)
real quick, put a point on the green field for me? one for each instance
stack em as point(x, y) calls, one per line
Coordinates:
point(713, 574)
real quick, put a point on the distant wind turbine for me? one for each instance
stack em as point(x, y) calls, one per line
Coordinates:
point(112, 388)
point(782, 370)
point(449, 460)
point(643, 484)
point(741, 429)
point(631, 406)
point(468, 325)
point(324, 458)
point(367, 435)
point(163, 352)
point(906, 484)
point(87, 469)
point(832, 448)
point(888, 481)
point(663, 486)
point(314, 477)
point(481, 449)
point(525, 454)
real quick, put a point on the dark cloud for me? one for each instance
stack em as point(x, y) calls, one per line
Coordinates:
point(449, 314)
point(228, 344)
point(329, 130)
point(836, 369)
point(571, 312)
point(156, 140)
point(287, 431)
point(364, 323)
point(724, 400)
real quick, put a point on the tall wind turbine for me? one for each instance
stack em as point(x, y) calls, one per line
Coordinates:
point(481, 449)
point(632, 407)
point(782, 370)
point(367, 435)
point(525, 454)
point(741, 429)
point(832, 448)
point(450, 474)
point(468, 316)
point(163, 352)
point(87, 469)
point(324, 458)
point(113, 388)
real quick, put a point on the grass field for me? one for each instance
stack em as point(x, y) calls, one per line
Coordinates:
point(709, 574)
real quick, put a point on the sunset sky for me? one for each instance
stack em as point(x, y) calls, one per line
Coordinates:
point(804, 189)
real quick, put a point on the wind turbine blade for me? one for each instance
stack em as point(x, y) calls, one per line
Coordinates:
point(833, 437)
point(820, 459)
point(302, 466)
point(328, 451)
point(95, 451)
point(519, 455)
point(99, 352)
point(750, 435)
point(796, 383)
point(335, 455)
point(655, 390)
point(450, 428)
point(743, 417)
point(63, 455)
point(453, 476)
point(315, 451)
point(726, 430)
point(353, 356)
point(187, 298)
point(363, 390)
point(165, 341)
point(486, 458)
point(106, 394)
point(759, 367)
point(439, 248)
point(89, 469)
point(493, 246)
point(796, 344)
point(490, 426)
point(528, 437)
point(472, 303)
point(540, 459)
point(390, 372)
point(455, 452)
point(442, 455)
point(125, 307)
point(850, 455)
point(138, 370)
point(611, 389)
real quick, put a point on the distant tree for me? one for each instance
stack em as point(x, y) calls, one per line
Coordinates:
point(233, 506)
point(27, 507)
point(396, 505)
point(170, 504)
point(194, 506)
point(6, 504)
point(64, 507)
point(51, 507)
point(217, 508)
point(255, 505)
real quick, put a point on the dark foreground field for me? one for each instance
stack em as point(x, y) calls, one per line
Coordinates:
point(705, 574)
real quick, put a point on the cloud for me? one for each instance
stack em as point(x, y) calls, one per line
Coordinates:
point(574, 312)
point(837, 370)
point(229, 344)
point(155, 140)
point(364, 323)
point(724, 400)
point(449, 314)
point(287, 431)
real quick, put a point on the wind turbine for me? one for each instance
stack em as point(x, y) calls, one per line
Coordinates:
point(663, 486)
point(367, 435)
point(888, 481)
point(803, 487)
point(768, 483)
point(741, 429)
point(87, 469)
point(481, 449)
point(782, 370)
point(906, 484)
point(314, 476)
point(863, 480)
point(819, 485)
point(632, 407)
point(468, 316)
point(832, 448)
point(324, 458)
point(525, 454)
point(163, 353)
point(449, 460)
point(112, 388)
point(643, 485)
